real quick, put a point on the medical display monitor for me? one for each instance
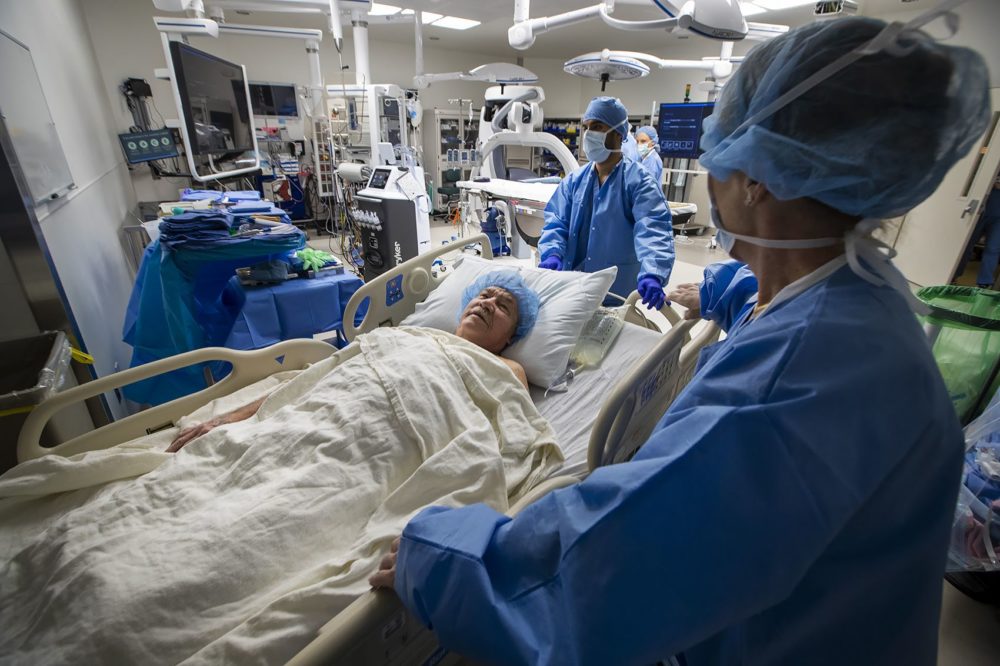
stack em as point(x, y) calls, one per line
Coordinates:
point(680, 129)
point(274, 99)
point(215, 101)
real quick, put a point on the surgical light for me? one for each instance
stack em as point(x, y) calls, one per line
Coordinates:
point(455, 23)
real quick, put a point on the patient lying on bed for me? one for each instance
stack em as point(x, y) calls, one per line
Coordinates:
point(240, 548)
point(499, 309)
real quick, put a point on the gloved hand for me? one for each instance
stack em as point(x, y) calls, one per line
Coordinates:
point(553, 263)
point(651, 290)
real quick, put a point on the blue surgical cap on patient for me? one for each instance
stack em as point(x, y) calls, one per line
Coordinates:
point(609, 111)
point(872, 140)
point(650, 132)
point(526, 297)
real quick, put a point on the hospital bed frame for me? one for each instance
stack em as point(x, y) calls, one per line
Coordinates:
point(376, 628)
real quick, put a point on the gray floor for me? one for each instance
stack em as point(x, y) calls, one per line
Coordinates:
point(969, 631)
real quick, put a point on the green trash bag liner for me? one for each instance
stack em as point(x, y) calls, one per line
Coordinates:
point(967, 348)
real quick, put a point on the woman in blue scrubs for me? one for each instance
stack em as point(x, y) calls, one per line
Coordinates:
point(649, 155)
point(793, 505)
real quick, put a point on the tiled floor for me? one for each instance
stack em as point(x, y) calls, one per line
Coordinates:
point(970, 631)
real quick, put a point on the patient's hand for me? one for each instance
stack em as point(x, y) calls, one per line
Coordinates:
point(194, 432)
point(689, 296)
point(386, 574)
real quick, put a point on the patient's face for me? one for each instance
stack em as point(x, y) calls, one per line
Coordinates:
point(489, 320)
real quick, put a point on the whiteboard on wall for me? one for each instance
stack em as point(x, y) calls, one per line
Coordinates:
point(26, 116)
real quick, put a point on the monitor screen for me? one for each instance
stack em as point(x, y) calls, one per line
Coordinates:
point(214, 99)
point(379, 179)
point(680, 129)
point(274, 99)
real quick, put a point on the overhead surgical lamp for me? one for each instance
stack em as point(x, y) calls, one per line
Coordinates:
point(610, 65)
point(716, 19)
point(606, 66)
point(503, 73)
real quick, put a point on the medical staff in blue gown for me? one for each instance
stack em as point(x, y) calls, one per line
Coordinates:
point(610, 213)
point(649, 155)
point(630, 147)
point(793, 505)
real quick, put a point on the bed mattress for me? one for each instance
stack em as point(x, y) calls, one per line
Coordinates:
point(572, 414)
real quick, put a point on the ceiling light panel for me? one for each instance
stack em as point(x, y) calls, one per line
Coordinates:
point(455, 23)
point(425, 17)
point(378, 9)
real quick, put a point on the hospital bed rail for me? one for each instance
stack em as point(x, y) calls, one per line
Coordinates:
point(247, 367)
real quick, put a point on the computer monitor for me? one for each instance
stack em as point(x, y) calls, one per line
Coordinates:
point(215, 101)
point(274, 99)
point(680, 129)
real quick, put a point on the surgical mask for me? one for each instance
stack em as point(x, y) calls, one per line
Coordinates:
point(727, 239)
point(858, 245)
point(594, 148)
point(644, 149)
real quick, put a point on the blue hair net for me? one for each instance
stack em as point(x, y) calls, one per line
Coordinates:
point(609, 111)
point(649, 131)
point(873, 140)
point(526, 297)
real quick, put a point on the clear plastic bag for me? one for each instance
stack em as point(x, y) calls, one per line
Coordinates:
point(975, 535)
point(597, 337)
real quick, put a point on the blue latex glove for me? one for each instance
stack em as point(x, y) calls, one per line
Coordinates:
point(651, 289)
point(552, 263)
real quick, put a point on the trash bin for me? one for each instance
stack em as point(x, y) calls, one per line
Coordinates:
point(31, 369)
point(964, 326)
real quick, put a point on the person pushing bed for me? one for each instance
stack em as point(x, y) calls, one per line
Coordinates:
point(610, 213)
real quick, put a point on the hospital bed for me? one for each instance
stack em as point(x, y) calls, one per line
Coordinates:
point(606, 415)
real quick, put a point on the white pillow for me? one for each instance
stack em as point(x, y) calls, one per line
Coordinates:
point(568, 301)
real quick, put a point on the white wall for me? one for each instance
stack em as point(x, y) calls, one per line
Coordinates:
point(82, 231)
point(127, 44)
point(978, 24)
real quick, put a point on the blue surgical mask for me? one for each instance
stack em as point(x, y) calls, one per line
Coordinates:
point(644, 149)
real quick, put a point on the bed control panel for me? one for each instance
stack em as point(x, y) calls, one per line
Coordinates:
point(394, 291)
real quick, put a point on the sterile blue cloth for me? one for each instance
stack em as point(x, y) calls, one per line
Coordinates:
point(189, 194)
point(186, 295)
point(625, 222)
point(293, 309)
point(792, 507)
point(873, 140)
point(242, 195)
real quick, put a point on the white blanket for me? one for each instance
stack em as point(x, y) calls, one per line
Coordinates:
point(242, 545)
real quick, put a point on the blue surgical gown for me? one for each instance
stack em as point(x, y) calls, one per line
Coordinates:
point(793, 506)
point(625, 222)
point(654, 165)
point(630, 148)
